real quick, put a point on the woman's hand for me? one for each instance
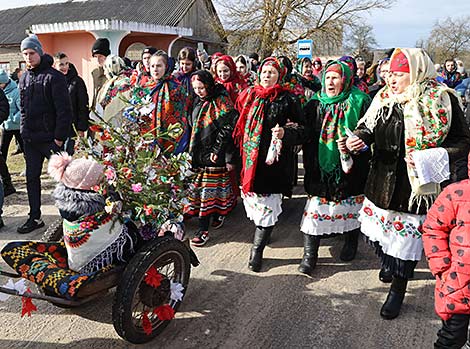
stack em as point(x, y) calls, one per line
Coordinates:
point(355, 144)
point(230, 167)
point(278, 131)
point(213, 157)
point(341, 142)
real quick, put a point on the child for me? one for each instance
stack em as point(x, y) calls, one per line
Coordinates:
point(446, 241)
point(212, 123)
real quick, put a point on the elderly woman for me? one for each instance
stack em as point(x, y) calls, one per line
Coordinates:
point(417, 130)
point(264, 112)
point(334, 181)
point(308, 79)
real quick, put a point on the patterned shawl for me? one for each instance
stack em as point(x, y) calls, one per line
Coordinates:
point(235, 84)
point(171, 107)
point(338, 112)
point(427, 114)
point(247, 134)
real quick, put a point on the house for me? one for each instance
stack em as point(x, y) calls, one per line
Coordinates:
point(73, 26)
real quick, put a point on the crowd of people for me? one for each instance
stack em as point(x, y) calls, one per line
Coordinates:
point(380, 142)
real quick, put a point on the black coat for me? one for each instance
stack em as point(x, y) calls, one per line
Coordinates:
point(217, 140)
point(276, 178)
point(350, 184)
point(388, 185)
point(46, 112)
point(79, 99)
point(4, 107)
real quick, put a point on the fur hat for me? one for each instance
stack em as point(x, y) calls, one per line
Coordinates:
point(101, 46)
point(33, 43)
point(82, 174)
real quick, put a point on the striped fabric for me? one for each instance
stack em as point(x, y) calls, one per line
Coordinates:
point(213, 193)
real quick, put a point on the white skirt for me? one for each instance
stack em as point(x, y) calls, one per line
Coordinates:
point(322, 217)
point(398, 233)
point(262, 209)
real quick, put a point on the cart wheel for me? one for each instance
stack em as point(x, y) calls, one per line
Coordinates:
point(134, 297)
point(54, 232)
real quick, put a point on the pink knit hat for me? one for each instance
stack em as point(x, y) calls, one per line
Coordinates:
point(80, 173)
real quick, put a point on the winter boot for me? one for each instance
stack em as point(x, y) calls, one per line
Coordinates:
point(309, 260)
point(259, 242)
point(348, 252)
point(8, 187)
point(392, 305)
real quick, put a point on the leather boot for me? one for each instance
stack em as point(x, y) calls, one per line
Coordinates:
point(385, 275)
point(392, 305)
point(260, 240)
point(348, 252)
point(309, 260)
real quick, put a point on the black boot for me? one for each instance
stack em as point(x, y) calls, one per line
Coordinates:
point(392, 305)
point(348, 252)
point(309, 260)
point(262, 236)
point(385, 275)
point(8, 187)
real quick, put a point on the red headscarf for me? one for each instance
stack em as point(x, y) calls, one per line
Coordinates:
point(235, 84)
point(315, 71)
point(399, 63)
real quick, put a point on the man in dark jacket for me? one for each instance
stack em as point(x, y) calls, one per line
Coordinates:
point(46, 117)
point(78, 98)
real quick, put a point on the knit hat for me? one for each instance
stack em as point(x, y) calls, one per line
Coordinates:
point(4, 77)
point(149, 49)
point(82, 174)
point(33, 43)
point(399, 63)
point(101, 46)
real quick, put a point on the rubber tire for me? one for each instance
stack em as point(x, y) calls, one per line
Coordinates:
point(55, 232)
point(131, 279)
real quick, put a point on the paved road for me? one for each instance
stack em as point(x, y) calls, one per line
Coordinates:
point(228, 306)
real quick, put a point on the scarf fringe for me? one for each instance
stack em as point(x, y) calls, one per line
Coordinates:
point(427, 199)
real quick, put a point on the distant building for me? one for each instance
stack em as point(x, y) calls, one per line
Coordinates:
point(73, 26)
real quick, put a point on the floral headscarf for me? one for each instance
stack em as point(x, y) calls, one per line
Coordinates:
point(235, 84)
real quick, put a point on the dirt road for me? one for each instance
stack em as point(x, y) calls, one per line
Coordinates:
point(227, 306)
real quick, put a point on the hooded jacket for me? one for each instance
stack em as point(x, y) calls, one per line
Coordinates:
point(46, 112)
point(13, 95)
point(79, 99)
point(446, 242)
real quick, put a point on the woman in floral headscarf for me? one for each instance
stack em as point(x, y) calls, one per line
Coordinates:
point(309, 80)
point(227, 75)
point(213, 119)
point(416, 126)
point(171, 103)
point(334, 181)
point(266, 144)
point(358, 82)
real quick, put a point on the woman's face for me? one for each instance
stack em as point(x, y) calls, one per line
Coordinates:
point(223, 72)
point(333, 84)
point(307, 69)
point(385, 71)
point(361, 69)
point(269, 76)
point(199, 88)
point(186, 65)
point(241, 68)
point(399, 81)
point(157, 67)
point(317, 65)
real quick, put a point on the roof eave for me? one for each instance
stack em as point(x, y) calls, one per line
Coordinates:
point(110, 25)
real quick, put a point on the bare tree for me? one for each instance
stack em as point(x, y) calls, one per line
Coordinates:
point(276, 24)
point(360, 40)
point(449, 38)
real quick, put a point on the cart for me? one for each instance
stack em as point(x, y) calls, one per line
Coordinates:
point(134, 300)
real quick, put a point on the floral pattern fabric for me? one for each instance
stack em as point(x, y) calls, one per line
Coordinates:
point(262, 209)
point(322, 217)
point(398, 233)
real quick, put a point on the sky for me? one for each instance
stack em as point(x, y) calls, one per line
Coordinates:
point(400, 26)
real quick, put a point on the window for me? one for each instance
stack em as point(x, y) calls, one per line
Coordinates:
point(5, 66)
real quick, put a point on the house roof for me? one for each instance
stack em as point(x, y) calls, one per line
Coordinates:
point(16, 21)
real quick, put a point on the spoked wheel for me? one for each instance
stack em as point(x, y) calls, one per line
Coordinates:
point(144, 294)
